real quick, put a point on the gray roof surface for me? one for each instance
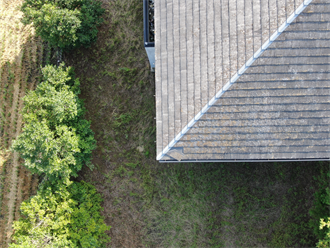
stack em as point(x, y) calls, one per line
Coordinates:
point(279, 108)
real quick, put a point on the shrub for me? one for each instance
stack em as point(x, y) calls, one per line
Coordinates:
point(64, 23)
point(61, 217)
point(321, 211)
point(321, 220)
point(56, 141)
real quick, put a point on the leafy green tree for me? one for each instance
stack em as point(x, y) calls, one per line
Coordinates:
point(325, 241)
point(47, 152)
point(57, 26)
point(64, 23)
point(321, 211)
point(60, 216)
point(56, 97)
point(56, 141)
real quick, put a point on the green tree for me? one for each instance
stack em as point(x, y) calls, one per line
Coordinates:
point(320, 212)
point(325, 241)
point(64, 23)
point(60, 216)
point(57, 26)
point(55, 99)
point(56, 141)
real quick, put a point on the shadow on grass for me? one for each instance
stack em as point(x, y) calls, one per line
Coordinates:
point(233, 205)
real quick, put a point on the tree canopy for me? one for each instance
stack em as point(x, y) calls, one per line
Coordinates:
point(56, 141)
point(64, 23)
point(60, 216)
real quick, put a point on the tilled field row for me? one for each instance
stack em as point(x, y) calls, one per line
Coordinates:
point(21, 55)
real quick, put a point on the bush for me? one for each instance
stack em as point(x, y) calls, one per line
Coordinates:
point(64, 23)
point(56, 141)
point(62, 217)
point(321, 211)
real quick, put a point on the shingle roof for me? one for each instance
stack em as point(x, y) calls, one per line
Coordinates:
point(279, 108)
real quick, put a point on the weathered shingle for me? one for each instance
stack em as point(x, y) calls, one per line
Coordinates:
point(278, 109)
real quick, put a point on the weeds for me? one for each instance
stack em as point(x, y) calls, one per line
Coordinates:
point(176, 205)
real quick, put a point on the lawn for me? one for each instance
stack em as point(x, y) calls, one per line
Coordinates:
point(176, 205)
point(147, 204)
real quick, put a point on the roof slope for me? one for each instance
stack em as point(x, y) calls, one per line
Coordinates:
point(278, 109)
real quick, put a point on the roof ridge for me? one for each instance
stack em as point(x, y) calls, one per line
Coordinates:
point(239, 73)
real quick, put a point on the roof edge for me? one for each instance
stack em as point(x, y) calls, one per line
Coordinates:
point(244, 160)
point(239, 73)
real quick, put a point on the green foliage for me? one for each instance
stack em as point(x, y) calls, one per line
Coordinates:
point(54, 99)
point(325, 241)
point(88, 227)
point(56, 141)
point(64, 23)
point(321, 210)
point(57, 26)
point(49, 152)
point(62, 217)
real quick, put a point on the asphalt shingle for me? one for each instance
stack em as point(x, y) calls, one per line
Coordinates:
point(278, 109)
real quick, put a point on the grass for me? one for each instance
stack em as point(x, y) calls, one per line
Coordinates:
point(232, 205)
point(176, 205)
point(162, 205)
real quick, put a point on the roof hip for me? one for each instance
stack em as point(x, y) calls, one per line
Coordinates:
point(239, 73)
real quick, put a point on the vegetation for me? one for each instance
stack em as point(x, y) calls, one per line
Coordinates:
point(56, 141)
point(62, 217)
point(150, 204)
point(177, 205)
point(21, 56)
point(64, 23)
point(321, 210)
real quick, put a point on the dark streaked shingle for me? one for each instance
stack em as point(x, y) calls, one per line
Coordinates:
point(201, 44)
point(279, 109)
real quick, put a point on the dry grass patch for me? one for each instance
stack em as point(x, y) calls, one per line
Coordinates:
point(3, 159)
point(13, 33)
point(21, 55)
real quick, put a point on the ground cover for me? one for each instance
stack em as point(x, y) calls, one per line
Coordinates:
point(176, 205)
point(146, 203)
point(21, 54)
